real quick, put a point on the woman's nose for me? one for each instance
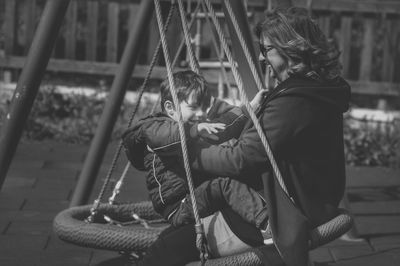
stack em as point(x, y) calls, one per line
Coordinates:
point(200, 113)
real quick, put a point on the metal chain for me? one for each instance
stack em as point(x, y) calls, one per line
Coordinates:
point(245, 48)
point(244, 99)
point(198, 225)
point(142, 89)
point(96, 203)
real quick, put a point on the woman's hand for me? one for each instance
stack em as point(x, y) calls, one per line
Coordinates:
point(257, 100)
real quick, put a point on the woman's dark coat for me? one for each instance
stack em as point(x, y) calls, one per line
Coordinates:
point(303, 122)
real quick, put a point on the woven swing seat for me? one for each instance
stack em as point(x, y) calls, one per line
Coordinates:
point(70, 226)
point(319, 236)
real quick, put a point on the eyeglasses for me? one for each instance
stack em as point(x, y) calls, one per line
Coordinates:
point(265, 49)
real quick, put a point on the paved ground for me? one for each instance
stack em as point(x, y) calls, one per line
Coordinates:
point(42, 177)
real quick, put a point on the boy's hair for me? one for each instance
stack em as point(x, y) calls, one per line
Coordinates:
point(187, 83)
point(296, 36)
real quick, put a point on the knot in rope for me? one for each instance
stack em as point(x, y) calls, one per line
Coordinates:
point(201, 242)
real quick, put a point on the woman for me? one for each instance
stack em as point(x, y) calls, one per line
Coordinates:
point(302, 120)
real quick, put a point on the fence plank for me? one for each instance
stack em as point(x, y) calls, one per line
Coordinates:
point(367, 48)
point(344, 44)
point(159, 73)
point(152, 41)
point(30, 22)
point(389, 50)
point(112, 32)
point(70, 31)
point(133, 8)
point(91, 30)
point(9, 26)
point(104, 68)
point(324, 23)
point(376, 6)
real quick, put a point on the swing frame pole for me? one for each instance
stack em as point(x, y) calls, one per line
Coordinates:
point(109, 116)
point(239, 10)
point(29, 81)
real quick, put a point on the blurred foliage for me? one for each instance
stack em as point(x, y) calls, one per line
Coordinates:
point(73, 118)
point(371, 143)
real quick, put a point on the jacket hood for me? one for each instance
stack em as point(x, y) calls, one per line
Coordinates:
point(134, 141)
point(334, 93)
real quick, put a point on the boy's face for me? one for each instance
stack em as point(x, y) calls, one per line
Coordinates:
point(191, 111)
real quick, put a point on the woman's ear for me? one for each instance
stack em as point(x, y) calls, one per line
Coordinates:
point(169, 108)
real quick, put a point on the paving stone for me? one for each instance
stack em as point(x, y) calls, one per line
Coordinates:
point(49, 192)
point(31, 228)
point(385, 243)
point(373, 259)
point(340, 242)
point(62, 253)
point(51, 164)
point(48, 184)
point(29, 173)
point(372, 225)
point(7, 215)
point(21, 167)
point(18, 182)
point(321, 255)
point(379, 207)
point(3, 226)
point(64, 155)
point(56, 174)
point(45, 205)
point(12, 244)
point(20, 257)
point(11, 203)
point(373, 194)
point(106, 257)
point(34, 216)
point(372, 177)
point(345, 252)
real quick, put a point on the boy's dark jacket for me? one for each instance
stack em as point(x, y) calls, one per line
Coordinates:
point(303, 122)
point(153, 144)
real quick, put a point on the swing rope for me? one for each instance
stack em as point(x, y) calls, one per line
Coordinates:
point(198, 225)
point(96, 203)
point(256, 76)
point(243, 97)
point(120, 182)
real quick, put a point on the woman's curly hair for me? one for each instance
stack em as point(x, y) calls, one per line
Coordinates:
point(298, 38)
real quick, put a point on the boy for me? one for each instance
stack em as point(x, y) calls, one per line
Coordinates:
point(154, 145)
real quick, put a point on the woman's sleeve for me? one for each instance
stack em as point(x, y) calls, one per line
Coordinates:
point(234, 120)
point(247, 154)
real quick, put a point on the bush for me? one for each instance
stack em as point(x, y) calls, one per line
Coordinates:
point(368, 144)
point(73, 118)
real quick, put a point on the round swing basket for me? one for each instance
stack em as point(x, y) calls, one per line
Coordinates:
point(71, 226)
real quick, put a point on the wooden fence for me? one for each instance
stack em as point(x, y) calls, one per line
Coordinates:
point(94, 33)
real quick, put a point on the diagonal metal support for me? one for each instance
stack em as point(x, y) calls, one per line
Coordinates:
point(100, 141)
point(29, 81)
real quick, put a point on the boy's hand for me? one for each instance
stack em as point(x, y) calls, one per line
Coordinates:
point(207, 130)
point(257, 100)
point(210, 128)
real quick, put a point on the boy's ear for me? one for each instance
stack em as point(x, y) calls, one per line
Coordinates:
point(169, 108)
